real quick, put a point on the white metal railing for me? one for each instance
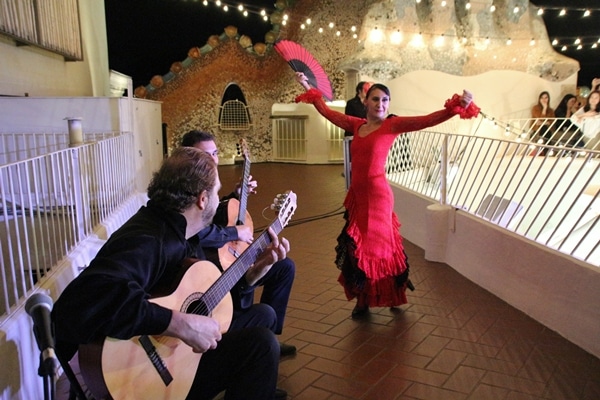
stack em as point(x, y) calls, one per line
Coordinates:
point(546, 193)
point(552, 131)
point(18, 146)
point(50, 203)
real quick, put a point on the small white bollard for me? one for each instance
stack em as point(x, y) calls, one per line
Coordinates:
point(75, 131)
point(437, 219)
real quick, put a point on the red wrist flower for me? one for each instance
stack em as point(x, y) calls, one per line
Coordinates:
point(467, 112)
point(310, 96)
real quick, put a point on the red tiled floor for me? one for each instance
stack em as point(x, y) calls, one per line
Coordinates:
point(453, 340)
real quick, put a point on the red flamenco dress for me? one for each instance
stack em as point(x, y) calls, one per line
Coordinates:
point(370, 253)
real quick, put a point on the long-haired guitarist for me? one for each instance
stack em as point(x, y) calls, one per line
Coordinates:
point(277, 282)
point(113, 301)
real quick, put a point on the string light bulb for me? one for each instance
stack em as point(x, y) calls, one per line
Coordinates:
point(396, 37)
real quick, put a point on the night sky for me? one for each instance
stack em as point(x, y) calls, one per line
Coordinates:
point(146, 36)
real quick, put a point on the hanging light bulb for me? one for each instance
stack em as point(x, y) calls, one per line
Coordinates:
point(443, 3)
point(509, 42)
point(516, 10)
point(492, 8)
point(540, 11)
point(577, 41)
point(562, 12)
point(417, 40)
point(532, 42)
point(376, 35)
point(586, 13)
point(468, 5)
point(396, 37)
point(564, 48)
point(554, 42)
point(439, 41)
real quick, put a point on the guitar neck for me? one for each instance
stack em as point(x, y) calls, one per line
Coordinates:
point(232, 275)
point(244, 193)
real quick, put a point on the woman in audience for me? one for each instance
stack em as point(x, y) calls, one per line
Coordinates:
point(542, 112)
point(569, 133)
point(587, 118)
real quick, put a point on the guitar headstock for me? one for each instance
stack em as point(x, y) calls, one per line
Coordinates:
point(243, 150)
point(285, 204)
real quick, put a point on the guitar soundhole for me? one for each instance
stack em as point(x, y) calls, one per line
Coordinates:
point(195, 305)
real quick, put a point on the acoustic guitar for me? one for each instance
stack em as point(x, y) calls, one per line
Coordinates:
point(162, 367)
point(237, 214)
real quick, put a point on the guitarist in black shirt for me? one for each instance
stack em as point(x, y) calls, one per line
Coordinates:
point(277, 283)
point(112, 302)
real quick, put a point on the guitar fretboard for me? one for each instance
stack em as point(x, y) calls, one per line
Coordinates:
point(229, 278)
point(244, 192)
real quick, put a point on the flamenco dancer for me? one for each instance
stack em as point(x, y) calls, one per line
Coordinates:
point(370, 254)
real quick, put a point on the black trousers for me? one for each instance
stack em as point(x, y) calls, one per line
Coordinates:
point(244, 364)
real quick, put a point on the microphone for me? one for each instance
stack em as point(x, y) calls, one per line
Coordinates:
point(38, 306)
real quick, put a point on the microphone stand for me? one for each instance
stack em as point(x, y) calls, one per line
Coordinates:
point(47, 371)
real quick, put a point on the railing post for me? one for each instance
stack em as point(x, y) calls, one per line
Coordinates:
point(444, 171)
point(82, 212)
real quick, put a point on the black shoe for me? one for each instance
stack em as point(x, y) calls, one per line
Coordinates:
point(286, 350)
point(280, 394)
point(359, 312)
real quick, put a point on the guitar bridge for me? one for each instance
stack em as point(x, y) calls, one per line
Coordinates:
point(156, 360)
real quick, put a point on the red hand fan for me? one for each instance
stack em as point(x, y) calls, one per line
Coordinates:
point(302, 61)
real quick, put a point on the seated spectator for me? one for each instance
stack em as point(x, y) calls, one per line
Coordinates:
point(542, 112)
point(569, 133)
point(587, 118)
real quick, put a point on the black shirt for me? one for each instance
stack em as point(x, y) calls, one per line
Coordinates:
point(110, 297)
